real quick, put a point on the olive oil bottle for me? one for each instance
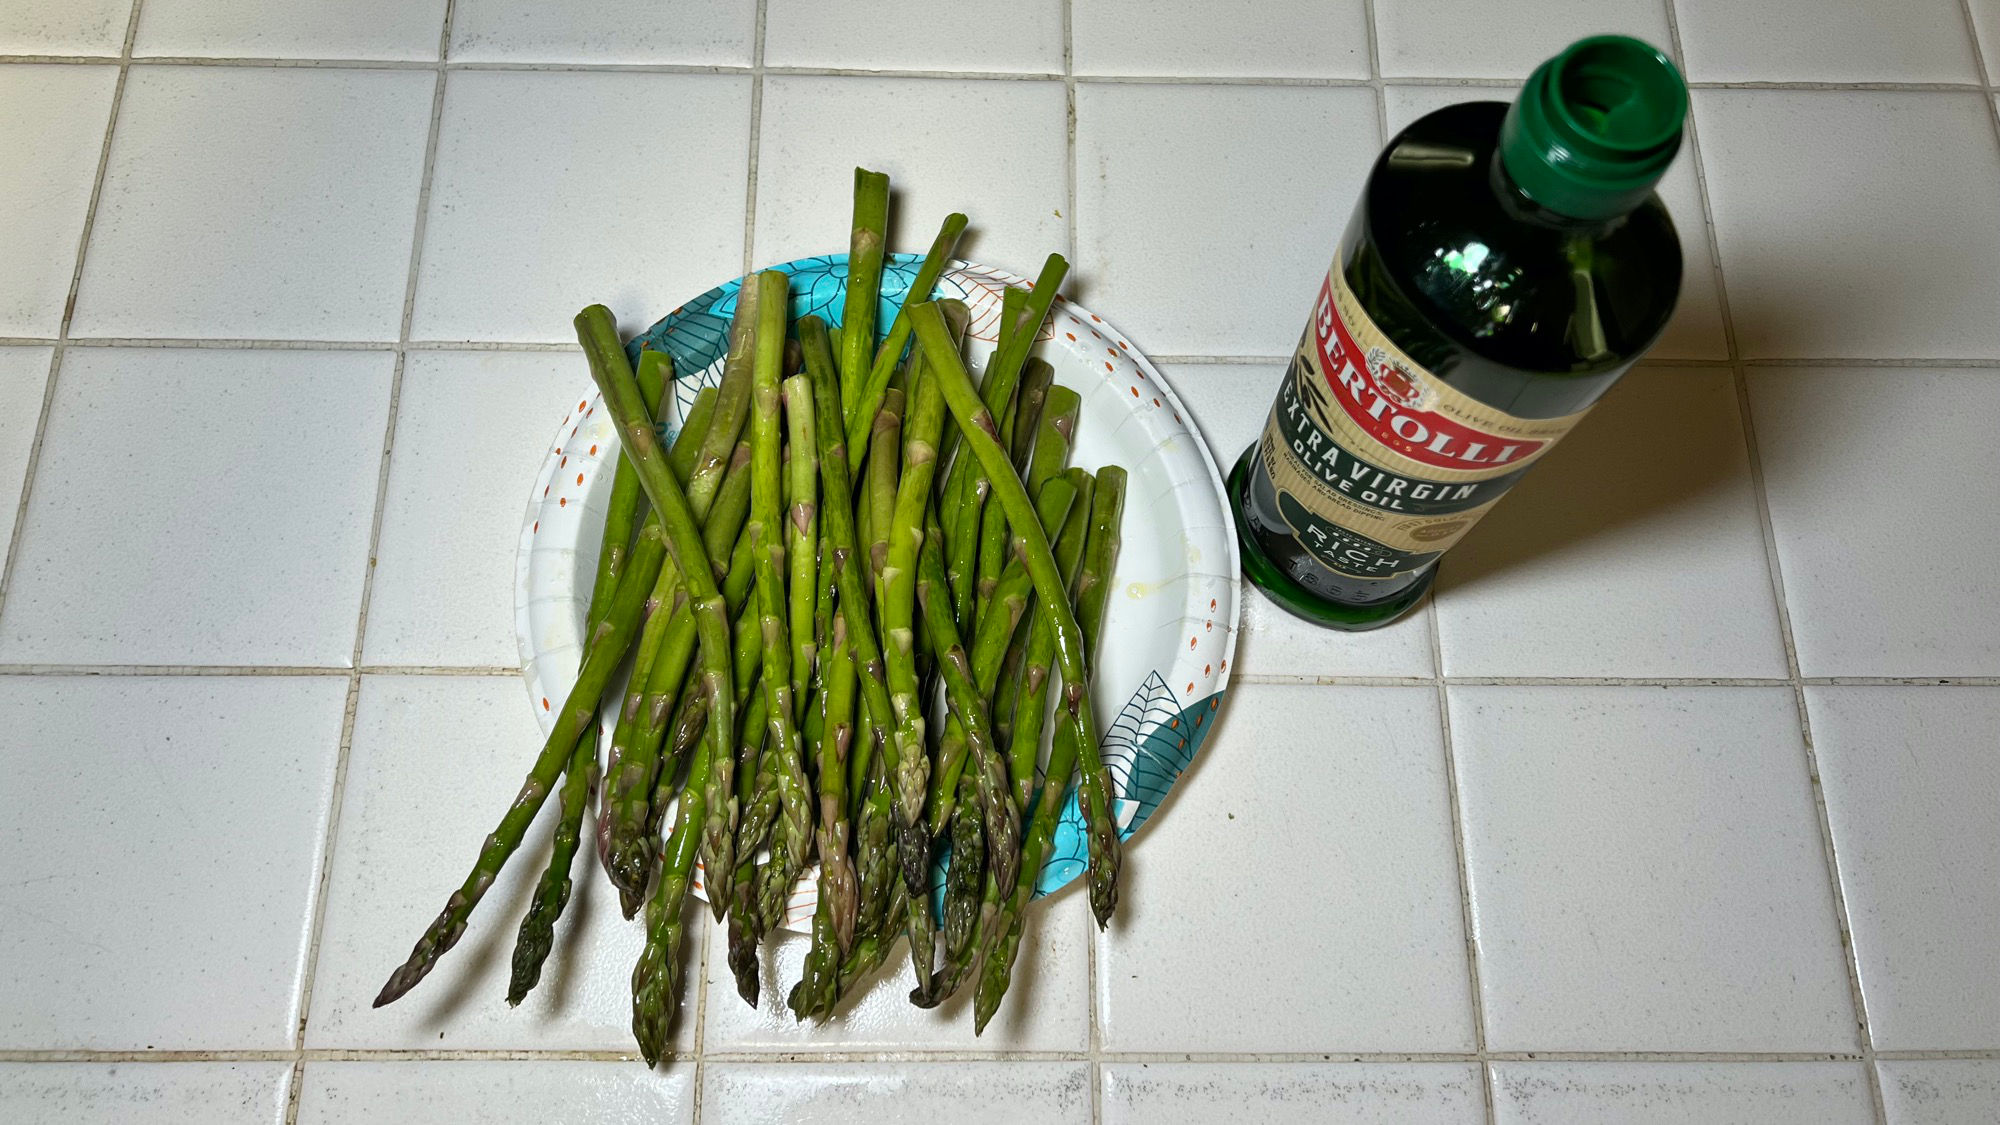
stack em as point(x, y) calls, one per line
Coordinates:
point(1505, 265)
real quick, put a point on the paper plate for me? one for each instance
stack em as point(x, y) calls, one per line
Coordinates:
point(1170, 627)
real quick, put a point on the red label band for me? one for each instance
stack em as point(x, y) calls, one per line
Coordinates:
point(1387, 401)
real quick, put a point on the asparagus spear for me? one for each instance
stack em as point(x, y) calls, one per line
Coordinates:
point(1039, 654)
point(891, 353)
point(802, 530)
point(843, 553)
point(996, 628)
point(1047, 442)
point(598, 332)
point(976, 422)
point(838, 907)
point(793, 836)
point(905, 535)
point(760, 811)
point(877, 868)
point(909, 756)
point(538, 925)
point(621, 514)
point(881, 496)
point(836, 877)
point(1004, 931)
point(605, 650)
point(1093, 589)
point(864, 285)
point(627, 838)
point(656, 975)
point(964, 880)
point(1036, 379)
point(965, 487)
point(732, 405)
point(1023, 417)
point(968, 719)
point(869, 952)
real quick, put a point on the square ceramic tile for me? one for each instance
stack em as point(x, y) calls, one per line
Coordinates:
point(1695, 332)
point(24, 373)
point(1478, 39)
point(940, 141)
point(1046, 1009)
point(353, 29)
point(221, 517)
point(1357, 842)
point(1225, 262)
point(1640, 534)
point(514, 141)
point(1941, 1091)
point(1842, 41)
point(52, 122)
point(472, 429)
point(1911, 784)
point(965, 35)
point(967, 1093)
point(1293, 1093)
point(435, 762)
point(1717, 1093)
point(176, 1093)
point(1884, 572)
point(1831, 245)
point(1230, 403)
point(511, 1092)
point(64, 27)
point(705, 32)
point(245, 202)
point(172, 829)
point(1297, 39)
point(1646, 871)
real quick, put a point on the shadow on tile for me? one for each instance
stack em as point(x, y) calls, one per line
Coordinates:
point(1639, 458)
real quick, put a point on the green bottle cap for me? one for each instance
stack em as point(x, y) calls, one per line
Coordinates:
point(1595, 127)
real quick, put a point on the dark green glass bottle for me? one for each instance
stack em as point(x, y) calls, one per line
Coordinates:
point(1504, 267)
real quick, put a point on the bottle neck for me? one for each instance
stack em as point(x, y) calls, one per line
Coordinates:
point(1517, 204)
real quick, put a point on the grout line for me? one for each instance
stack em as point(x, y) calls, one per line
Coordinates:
point(298, 345)
point(1979, 61)
point(1474, 993)
point(1094, 1041)
point(951, 1055)
point(331, 836)
point(1760, 489)
point(256, 670)
point(61, 340)
point(504, 671)
point(1476, 1004)
point(755, 150)
point(1069, 102)
point(1474, 990)
point(1948, 363)
point(272, 62)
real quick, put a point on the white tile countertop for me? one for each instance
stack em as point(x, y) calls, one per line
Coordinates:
point(1679, 802)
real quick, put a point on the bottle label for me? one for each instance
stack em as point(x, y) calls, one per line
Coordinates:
point(1378, 465)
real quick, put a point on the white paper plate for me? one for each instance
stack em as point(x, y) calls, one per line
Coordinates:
point(1170, 626)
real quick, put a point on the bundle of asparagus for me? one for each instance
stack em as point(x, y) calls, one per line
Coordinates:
point(862, 586)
